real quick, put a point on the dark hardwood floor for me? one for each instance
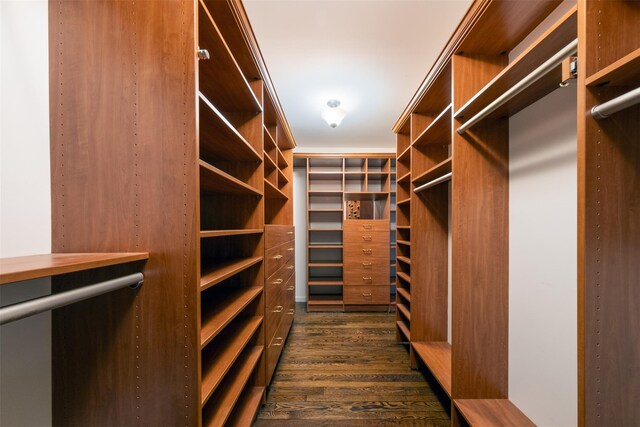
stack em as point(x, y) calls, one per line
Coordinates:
point(345, 369)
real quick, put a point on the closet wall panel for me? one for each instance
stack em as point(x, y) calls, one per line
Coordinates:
point(118, 180)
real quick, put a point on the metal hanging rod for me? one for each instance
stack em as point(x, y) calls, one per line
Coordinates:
point(436, 181)
point(534, 76)
point(38, 305)
point(604, 110)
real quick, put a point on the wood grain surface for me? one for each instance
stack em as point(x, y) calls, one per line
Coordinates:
point(347, 370)
point(32, 267)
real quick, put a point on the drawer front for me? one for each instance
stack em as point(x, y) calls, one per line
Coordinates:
point(356, 238)
point(273, 317)
point(273, 354)
point(368, 250)
point(364, 266)
point(276, 257)
point(277, 283)
point(366, 295)
point(367, 225)
point(352, 278)
point(275, 235)
point(276, 344)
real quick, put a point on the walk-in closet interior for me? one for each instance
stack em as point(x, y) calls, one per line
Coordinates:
point(320, 213)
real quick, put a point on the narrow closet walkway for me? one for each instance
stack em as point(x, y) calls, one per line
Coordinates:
point(347, 370)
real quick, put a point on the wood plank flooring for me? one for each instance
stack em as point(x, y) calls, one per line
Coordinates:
point(345, 369)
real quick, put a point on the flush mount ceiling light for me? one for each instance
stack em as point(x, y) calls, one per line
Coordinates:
point(334, 115)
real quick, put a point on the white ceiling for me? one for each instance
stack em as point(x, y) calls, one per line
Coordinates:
point(370, 54)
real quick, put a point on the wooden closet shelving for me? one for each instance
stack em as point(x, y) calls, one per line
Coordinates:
point(205, 159)
point(555, 38)
point(332, 181)
point(470, 360)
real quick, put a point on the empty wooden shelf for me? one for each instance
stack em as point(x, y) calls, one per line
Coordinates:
point(36, 266)
point(230, 347)
point(216, 273)
point(214, 180)
point(437, 357)
point(491, 413)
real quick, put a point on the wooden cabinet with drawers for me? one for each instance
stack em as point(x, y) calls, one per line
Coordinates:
point(366, 264)
point(279, 290)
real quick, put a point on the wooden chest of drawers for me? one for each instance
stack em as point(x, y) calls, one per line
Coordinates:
point(279, 290)
point(366, 273)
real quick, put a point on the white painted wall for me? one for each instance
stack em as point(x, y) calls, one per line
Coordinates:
point(543, 260)
point(300, 222)
point(25, 206)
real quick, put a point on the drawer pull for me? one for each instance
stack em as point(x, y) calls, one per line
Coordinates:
point(290, 249)
point(277, 281)
point(281, 341)
point(292, 311)
point(367, 251)
point(367, 226)
point(291, 288)
point(276, 257)
point(366, 238)
point(367, 264)
point(278, 309)
point(203, 54)
point(289, 233)
point(367, 279)
point(364, 294)
point(290, 267)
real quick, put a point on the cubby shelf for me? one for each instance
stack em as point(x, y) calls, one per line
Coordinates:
point(230, 389)
point(17, 269)
point(230, 306)
point(404, 201)
point(223, 233)
point(404, 242)
point(404, 177)
point(623, 72)
point(404, 259)
point(219, 139)
point(216, 181)
point(325, 281)
point(404, 276)
point(324, 264)
point(491, 412)
point(214, 274)
point(325, 246)
point(268, 162)
point(404, 294)
point(439, 170)
point(247, 406)
point(405, 311)
point(557, 37)
point(231, 346)
point(402, 155)
point(282, 178)
point(282, 162)
point(221, 79)
point(273, 192)
point(438, 132)
point(437, 356)
point(269, 140)
point(404, 329)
